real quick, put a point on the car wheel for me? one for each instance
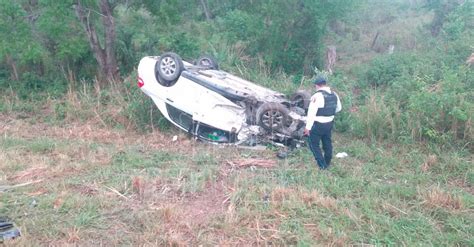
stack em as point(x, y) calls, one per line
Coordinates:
point(207, 62)
point(301, 99)
point(272, 116)
point(169, 67)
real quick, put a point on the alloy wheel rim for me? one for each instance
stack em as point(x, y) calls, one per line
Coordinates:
point(272, 119)
point(168, 66)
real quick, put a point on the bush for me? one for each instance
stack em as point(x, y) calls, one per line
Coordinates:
point(443, 111)
point(342, 86)
point(238, 25)
point(182, 43)
point(385, 70)
point(34, 87)
point(419, 107)
point(377, 119)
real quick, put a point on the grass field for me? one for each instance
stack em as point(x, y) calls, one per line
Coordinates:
point(82, 165)
point(83, 184)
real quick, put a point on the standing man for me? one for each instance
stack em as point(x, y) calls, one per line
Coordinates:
point(320, 120)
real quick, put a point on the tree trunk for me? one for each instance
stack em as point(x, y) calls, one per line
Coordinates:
point(205, 8)
point(331, 59)
point(14, 72)
point(105, 56)
point(374, 41)
point(110, 36)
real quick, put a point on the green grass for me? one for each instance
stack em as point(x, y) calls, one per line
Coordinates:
point(100, 177)
point(378, 195)
point(111, 181)
point(114, 185)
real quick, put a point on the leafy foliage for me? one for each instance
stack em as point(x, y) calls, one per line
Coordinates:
point(63, 39)
point(409, 95)
point(381, 194)
point(388, 70)
point(287, 34)
point(423, 100)
point(17, 43)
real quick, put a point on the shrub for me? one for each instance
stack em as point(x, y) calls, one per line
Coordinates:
point(378, 118)
point(34, 87)
point(342, 86)
point(443, 111)
point(182, 43)
point(420, 108)
point(384, 70)
point(238, 25)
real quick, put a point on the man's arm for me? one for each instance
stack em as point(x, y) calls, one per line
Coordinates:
point(339, 105)
point(312, 110)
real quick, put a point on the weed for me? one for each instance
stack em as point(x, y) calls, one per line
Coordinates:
point(438, 198)
point(91, 166)
point(378, 195)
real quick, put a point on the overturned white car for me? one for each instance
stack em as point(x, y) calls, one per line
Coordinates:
point(218, 107)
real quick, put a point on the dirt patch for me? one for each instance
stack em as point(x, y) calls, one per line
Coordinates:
point(85, 189)
point(44, 173)
point(32, 173)
point(201, 208)
point(91, 131)
point(157, 207)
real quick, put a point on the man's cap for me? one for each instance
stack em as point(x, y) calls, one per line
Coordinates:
point(319, 80)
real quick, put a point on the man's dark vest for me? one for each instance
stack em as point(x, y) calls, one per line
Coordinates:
point(330, 104)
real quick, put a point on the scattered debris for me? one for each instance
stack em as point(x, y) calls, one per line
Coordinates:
point(175, 138)
point(8, 230)
point(244, 163)
point(282, 154)
point(33, 203)
point(256, 148)
point(341, 155)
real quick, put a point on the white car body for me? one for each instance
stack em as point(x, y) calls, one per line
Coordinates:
point(207, 97)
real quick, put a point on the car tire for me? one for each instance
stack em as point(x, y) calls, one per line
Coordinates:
point(207, 62)
point(169, 68)
point(301, 99)
point(272, 116)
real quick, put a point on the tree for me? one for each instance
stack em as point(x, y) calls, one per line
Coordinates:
point(287, 34)
point(205, 9)
point(17, 45)
point(104, 53)
point(62, 37)
point(441, 8)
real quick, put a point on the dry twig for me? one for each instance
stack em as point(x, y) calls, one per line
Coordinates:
point(244, 163)
point(116, 192)
point(9, 187)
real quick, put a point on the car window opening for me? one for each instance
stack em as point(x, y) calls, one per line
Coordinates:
point(209, 133)
point(181, 118)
